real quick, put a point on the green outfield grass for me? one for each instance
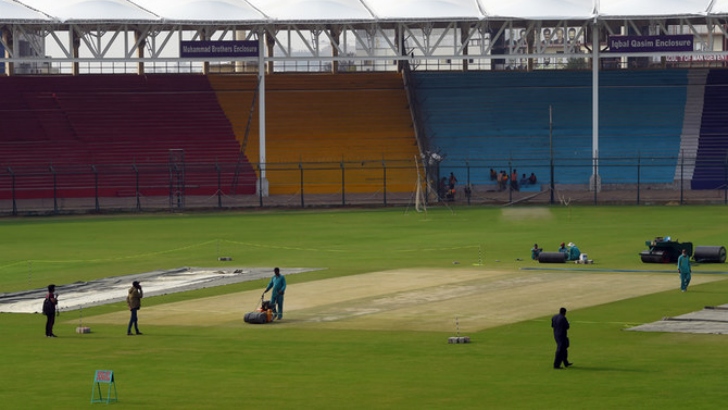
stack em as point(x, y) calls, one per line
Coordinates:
point(254, 367)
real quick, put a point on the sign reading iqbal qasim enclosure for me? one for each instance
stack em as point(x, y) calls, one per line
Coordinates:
point(218, 49)
point(642, 44)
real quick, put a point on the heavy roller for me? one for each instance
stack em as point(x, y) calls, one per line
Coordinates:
point(664, 250)
point(709, 254)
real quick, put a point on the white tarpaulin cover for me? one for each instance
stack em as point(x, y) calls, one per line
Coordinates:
point(79, 295)
point(302, 11)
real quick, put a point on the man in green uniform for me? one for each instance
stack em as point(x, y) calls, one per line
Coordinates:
point(574, 252)
point(683, 267)
point(278, 284)
point(535, 251)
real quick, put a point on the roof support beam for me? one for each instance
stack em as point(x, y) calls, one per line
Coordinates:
point(471, 43)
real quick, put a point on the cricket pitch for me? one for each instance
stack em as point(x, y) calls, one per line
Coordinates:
point(416, 299)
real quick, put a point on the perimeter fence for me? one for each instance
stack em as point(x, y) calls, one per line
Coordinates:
point(178, 187)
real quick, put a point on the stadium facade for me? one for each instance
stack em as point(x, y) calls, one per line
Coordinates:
point(60, 38)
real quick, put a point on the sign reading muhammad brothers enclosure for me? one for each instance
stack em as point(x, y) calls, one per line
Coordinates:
point(215, 49)
point(642, 44)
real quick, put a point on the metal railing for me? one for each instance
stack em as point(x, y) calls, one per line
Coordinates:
point(377, 183)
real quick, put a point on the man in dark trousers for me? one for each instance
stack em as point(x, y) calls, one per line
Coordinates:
point(561, 327)
point(134, 301)
point(49, 310)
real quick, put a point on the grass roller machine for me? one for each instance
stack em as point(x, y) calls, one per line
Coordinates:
point(665, 250)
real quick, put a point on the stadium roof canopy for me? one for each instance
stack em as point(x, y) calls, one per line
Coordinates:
point(65, 31)
point(251, 12)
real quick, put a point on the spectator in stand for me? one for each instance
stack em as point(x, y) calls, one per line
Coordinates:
point(442, 188)
point(514, 180)
point(493, 175)
point(523, 181)
point(452, 182)
point(532, 179)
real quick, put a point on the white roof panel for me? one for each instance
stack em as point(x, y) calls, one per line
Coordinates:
point(11, 10)
point(313, 10)
point(720, 7)
point(540, 10)
point(277, 11)
point(652, 8)
point(203, 10)
point(91, 10)
point(425, 9)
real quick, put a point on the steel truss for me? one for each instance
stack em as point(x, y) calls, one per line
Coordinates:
point(452, 40)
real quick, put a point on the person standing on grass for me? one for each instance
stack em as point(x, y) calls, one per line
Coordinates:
point(278, 284)
point(683, 268)
point(134, 301)
point(49, 310)
point(561, 327)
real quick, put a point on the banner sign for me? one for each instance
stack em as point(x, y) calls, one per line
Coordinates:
point(697, 58)
point(104, 376)
point(641, 44)
point(214, 49)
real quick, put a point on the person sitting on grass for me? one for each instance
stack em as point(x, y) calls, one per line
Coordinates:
point(562, 249)
point(574, 252)
point(535, 251)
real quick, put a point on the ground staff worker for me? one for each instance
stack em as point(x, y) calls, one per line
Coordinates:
point(278, 284)
point(561, 326)
point(134, 301)
point(49, 310)
point(683, 267)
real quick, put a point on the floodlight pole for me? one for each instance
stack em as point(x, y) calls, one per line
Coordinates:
point(551, 152)
point(596, 61)
point(262, 178)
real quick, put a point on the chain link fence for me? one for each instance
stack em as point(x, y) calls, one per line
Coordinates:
point(377, 183)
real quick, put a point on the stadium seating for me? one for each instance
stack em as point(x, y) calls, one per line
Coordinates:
point(115, 122)
point(358, 119)
point(711, 168)
point(501, 120)
point(476, 120)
